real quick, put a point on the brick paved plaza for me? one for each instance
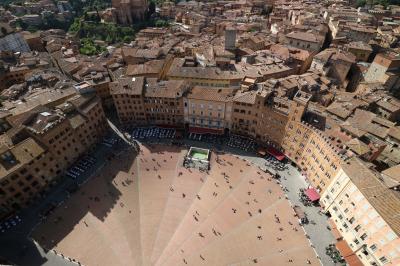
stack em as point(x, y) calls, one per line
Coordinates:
point(151, 210)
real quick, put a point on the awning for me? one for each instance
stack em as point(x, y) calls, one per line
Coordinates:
point(336, 233)
point(203, 130)
point(262, 152)
point(277, 154)
point(348, 255)
point(334, 230)
point(353, 260)
point(344, 248)
point(312, 194)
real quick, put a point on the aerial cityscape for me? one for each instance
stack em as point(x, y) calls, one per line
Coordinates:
point(244, 132)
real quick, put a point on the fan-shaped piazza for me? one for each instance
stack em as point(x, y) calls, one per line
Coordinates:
point(150, 210)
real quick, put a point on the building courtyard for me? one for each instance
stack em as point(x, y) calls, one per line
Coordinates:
point(151, 210)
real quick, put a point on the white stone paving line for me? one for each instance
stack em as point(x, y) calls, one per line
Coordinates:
point(66, 258)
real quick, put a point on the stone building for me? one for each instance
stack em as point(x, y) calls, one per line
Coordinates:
point(384, 69)
point(129, 11)
point(127, 95)
point(141, 101)
point(304, 40)
point(335, 64)
point(360, 49)
point(208, 109)
point(41, 144)
point(365, 213)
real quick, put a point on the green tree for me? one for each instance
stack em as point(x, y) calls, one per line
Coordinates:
point(75, 26)
point(161, 23)
point(127, 39)
point(152, 7)
point(360, 3)
point(32, 28)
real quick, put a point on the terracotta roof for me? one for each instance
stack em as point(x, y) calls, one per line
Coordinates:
point(141, 53)
point(304, 36)
point(352, 129)
point(335, 54)
point(337, 108)
point(76, 120)
point(178, 70)
point(382, 199)
point(21, 155)
point(368, 122)
point(285, 52)
point(211, 94)
point(394, 132)
point(151, 67)
point(245, 97)
point(393, 173)
point(131, 86)
point(358, 146)
point(360, 45)
point(166, 89)
point(389, 104)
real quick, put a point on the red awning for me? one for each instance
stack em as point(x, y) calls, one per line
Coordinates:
point(203, 130)
point(344, 248)
point(353, 260)
point(312, 194)
point(348, 254)
point(277, 154)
